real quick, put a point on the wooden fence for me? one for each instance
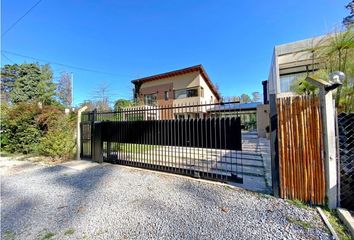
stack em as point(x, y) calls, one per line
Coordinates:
point(301, 166)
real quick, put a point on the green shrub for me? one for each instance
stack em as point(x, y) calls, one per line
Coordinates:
point(26, 128)
point(59, 140)
point(20, 131)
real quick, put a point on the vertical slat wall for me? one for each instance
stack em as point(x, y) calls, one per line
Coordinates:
point(300, 146)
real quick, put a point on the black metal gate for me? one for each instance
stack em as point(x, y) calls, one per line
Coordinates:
point(86, 125)
point(201, 140)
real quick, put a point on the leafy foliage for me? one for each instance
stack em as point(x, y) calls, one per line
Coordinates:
point(336, 53)
point(31, 120)
point(122, 103)
point(27, 82)
point(20, 132)
point(59, 140)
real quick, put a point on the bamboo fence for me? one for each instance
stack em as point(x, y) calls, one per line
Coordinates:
point(300, 145)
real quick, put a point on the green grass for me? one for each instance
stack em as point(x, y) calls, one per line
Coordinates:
point(228, 187)
point(47, 235)
point(68, 232)
point(297, 203)
point(129, 147)
point(340, 228)
point(301, 223)
point(9, 235)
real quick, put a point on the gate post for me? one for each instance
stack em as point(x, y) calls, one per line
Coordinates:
point(78, 133)
point(329, 137)
point(97, 142)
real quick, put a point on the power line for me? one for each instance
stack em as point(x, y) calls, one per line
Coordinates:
point(66, 65)
point(3, 54)
point(18, 20)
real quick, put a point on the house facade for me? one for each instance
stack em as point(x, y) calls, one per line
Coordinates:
point(187, 86)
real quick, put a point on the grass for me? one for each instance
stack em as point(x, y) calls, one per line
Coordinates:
point(228, 187)
point(47, 235)
point(130, 147)
point(340, 228)
point(304, 224)
point(9, 234)
point(297, 203)
point(70, 231)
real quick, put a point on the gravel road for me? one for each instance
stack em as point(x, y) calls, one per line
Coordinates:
point(117, 202)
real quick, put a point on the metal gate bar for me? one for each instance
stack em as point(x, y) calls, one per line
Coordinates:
point(201, 140)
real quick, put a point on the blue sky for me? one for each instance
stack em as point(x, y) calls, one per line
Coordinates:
point(233, 39)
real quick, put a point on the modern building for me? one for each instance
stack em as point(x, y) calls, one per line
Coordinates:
point(187, 86)
point(289, 62)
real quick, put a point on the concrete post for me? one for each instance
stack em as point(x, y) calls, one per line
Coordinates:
point(78, 134)
point(329, 140)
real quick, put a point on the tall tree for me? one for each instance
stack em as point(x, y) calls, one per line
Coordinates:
point(64, 89)
point(29, 82)
point(8, 77)
point(122, 103)
point(245, 98)
point(348, 21)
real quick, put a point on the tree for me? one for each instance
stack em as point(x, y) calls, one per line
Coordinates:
point(27, 82)
point(102, 97)
point(245, 98)
point(348, 21)
point(8, 77)
point(255, 96)
point(64, 89)
point(122, 103)
point(336, 53)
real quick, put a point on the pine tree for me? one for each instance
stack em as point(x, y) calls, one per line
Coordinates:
point(30, 82)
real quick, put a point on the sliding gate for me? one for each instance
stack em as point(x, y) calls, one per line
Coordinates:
point(201, 140)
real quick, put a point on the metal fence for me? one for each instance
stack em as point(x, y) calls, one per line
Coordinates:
point(346, 152)
point(202, 140)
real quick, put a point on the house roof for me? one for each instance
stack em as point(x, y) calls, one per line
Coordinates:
point(197, 68)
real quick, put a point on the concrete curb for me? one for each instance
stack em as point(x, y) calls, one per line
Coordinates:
point(329, 226)
point(345, 216)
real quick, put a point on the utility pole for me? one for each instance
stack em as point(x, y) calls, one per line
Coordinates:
point(72, 90)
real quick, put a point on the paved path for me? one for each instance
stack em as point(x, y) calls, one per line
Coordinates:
point(84, 200)
point(252, 163)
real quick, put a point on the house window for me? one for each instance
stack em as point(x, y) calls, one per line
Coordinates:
point(286, 81)
point(186, 93)
point(192, 92)
point(150, 99)
point(201, 91)
point(166, 95)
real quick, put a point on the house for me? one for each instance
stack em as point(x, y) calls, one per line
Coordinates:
point(187, 86)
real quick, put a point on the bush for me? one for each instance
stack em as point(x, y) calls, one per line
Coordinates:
point(20, 132)
point(58, 144)
point(26, 128)
point(59, 140)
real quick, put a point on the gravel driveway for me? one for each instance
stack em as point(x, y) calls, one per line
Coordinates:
point(117, 202)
